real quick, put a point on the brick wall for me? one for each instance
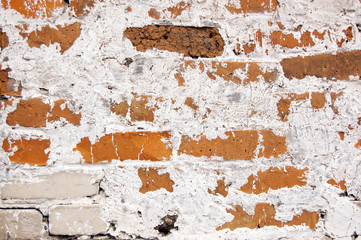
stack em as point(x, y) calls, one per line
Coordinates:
point(199, 119)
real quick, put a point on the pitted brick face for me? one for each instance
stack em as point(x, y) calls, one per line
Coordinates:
point(190, 41)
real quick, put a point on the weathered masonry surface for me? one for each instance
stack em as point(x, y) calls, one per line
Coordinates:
point(176, 119)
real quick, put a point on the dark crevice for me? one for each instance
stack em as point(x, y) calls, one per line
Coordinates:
point(167, 225)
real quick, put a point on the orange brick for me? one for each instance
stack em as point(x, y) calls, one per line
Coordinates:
point(4, 40)
point(58, 112)
point(255, 6)
point(30, 151)
point(274, 178)
point(265, 216)
point(153, 146)
point(238, 145)
point(358, 144)
point(341, 184)
point(34, 9)
point(169, 13)
point(81, 7)
point(65, 36)
point(324, 66)
point(221, 188)
point(9, 86)
point(153, 181)
point(29, 113)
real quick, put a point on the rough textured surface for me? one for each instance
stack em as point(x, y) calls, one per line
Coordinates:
point(340, 66)
point(4, 40)
point(191, 41)
point(58, 185)
point(20, 224)
point(8, 86)
point(34, 9)
point(76, 220)
point(153, 181)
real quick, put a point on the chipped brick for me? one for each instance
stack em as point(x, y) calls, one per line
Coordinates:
point(81, 7)
point(9, 86)
point(153, 146)
point(61, 110)
point(30, 151)
point(169, 13)
point(4, 40)
point(265, 216)
point(152, 180)
point(221, 188)
point(255, 6)
point(341, 184)
point(64, 35)
point(190, 41)
point(274, 178)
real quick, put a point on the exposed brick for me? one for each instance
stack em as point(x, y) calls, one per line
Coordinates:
point(255, 6)
point(76, 220)
point(317, 99)
point(341, 184)
point(289, 41)
point(121, 108)
point(265, 216)
point(9, 86)
point(358, 144)
point(227, 71)
point(191, 41)
point(342, 135)
point(152, 180)
point(4, 40)
point(221, 188)
point(274, 178)
point(59, 185)
point(237, 145)
point(61, 110)
point(153, 146)
point(30, 151)
point(169, 13)
point(34, 9)
point(81, 7)
point(64, 35)
point(20, 224)
point(35, 113)
point(339, 66)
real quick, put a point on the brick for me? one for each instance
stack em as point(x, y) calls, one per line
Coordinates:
point(20, 224)
point(254, 6)
point(9, 86)
point(221, 189)
point(237, 145)
point(61, 185)
point(76, 220)
point(152, 180)
point(35, 113)
point(341, 184)
point(81, 8)
point(171, 12)
point(265, 216)
point(34, 9)
point(64, 35)
point(29, 113)
point(28, 151)
point(61, 110)
point(358, 144)
point(153, 146)
point(227, 71)
point(190, 41)
point(4, 40)
point(339, 66)
point(275, 178)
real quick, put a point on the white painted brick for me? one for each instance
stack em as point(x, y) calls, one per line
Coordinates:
point(76, 220)
point(59, 185)
point(20, 224)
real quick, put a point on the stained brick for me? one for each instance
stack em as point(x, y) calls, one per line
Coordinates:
point(34, 9)
point(152, 180)
point(255, 6)
point(237, 145)
point(9, 86)
point(20, 224)
point(61, 185)
point(153, 146)
point(190, 41)
point(4, 40)
point(76, 220)
point(30, 151)
point(339, 66)
point(64, 35)
point(265, 216)
point(274, 178)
